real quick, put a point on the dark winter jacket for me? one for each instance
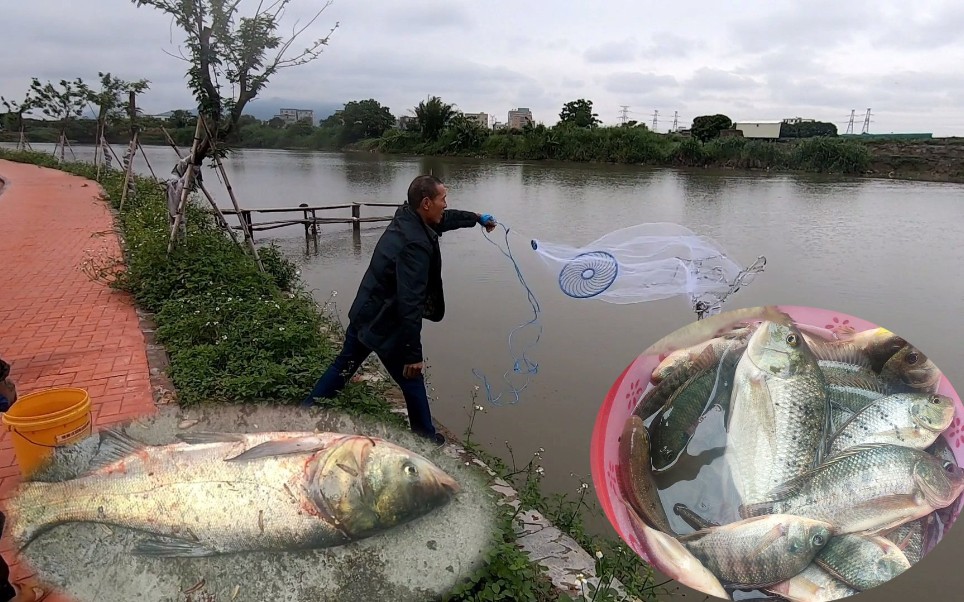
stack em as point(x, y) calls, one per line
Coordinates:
point(403, 284)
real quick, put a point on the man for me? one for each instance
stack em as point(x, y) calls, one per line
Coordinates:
point(402, 286)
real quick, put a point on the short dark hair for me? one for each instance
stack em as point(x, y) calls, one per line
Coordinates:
point(421, 187)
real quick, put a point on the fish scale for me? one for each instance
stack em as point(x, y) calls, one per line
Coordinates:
point(909, 419)
point(868, 488)
point(778, 412)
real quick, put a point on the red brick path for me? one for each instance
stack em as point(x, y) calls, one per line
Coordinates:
point(57, 326)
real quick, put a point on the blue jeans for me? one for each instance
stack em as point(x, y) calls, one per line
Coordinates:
point(353, 353)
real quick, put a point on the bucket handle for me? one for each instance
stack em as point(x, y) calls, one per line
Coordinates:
point(32, 442)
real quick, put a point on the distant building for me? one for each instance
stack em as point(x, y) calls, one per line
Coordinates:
point(518, 118)
point(403, 122)
point(769, 130)
point(480, 118)
point(296, 115)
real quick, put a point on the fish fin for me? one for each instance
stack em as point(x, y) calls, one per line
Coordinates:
point(202, 438)
point(756, 510)
point(303, 445)
point(843, 353)
point(770, 538)
point(114, 447)
point(867, 381)
point(171, 548)
point(826, 566)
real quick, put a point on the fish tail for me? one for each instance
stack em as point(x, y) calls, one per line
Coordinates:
point(35, 508)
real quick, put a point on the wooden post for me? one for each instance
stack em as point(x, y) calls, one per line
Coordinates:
point(132, 153)
point(307, 226)
point(246, 223)
point(188, 180)
point(356, 215)
point(314, 228)
point(248, 233)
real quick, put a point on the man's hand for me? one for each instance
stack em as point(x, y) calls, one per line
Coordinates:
point(412, 370)
point(487, 221)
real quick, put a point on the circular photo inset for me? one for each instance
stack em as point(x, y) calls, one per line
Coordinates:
point(781, 452)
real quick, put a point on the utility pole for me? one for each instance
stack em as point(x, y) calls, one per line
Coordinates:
point(866, 129)
point(655, 117)
point(850, 126)
point(675, 120)
point(622, 116)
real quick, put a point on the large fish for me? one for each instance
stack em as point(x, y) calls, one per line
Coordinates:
point(862, 561)
point(760, 551)
point(683, 359)
point(224, 493)
point(868, 489)
point(778, 414)
point(910, 419)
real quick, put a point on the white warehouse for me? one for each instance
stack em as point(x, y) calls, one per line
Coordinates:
point(759, 129)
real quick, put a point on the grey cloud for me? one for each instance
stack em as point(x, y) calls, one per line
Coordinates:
point(422, 16)
point(638, 83)
point(710, 81)
point(924, 32)
point(572, 83)
point(815, 25)
point(612, 52)
point(670, 45)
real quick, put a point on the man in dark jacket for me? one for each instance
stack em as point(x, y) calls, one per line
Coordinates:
point(402, 286)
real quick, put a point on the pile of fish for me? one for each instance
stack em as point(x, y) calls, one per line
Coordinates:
point(833, 447)
point(223, 493)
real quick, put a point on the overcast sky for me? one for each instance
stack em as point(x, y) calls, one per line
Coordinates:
point(751, 60)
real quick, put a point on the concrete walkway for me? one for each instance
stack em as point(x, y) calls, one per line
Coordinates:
point(58, 327)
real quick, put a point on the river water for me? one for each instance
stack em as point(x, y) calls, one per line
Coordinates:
point(887, 251)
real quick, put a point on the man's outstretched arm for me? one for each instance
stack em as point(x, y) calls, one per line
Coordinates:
point(453, 219)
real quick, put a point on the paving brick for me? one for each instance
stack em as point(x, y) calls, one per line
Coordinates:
point(58, 327)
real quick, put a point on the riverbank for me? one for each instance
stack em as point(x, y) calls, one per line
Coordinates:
point(235, 335)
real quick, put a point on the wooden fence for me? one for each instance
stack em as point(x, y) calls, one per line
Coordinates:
point(309, 217)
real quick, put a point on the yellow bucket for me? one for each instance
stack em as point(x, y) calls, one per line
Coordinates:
point(42, 421)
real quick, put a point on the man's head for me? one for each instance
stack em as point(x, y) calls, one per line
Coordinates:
point(427, 197)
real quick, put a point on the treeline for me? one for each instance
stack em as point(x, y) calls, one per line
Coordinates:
point(438, 128)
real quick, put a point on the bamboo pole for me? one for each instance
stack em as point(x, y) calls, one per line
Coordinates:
point(222, 221)
point(248, 236)
point(188, 179)
point(143, 154)
point(131, 153)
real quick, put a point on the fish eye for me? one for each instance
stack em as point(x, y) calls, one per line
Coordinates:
point(935, 399)
point(948, 466)
point(912, 358)
point(818, 540)
point(792, 340)
point(410, 469)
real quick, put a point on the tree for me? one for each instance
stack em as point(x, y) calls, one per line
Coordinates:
point(14, 117)
point(226, 47)
point(579, 113)
point(113, 100)
point(362, 119)
point(432, 117)
point(61, 104)
point(807, 129)
point(707, 127)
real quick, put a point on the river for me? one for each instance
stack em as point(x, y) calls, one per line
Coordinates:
point(886, 251)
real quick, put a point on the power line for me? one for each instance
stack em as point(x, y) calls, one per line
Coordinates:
point(622, 116)
point(655, 118)
point(866, 129)
point(850, 125)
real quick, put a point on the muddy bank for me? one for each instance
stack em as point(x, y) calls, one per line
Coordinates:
point(940, 160)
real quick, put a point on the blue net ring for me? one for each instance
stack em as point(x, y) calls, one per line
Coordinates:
point(588, 274)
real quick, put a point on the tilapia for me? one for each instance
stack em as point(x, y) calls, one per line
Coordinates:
point(778, 412)
point(862, 561)
point(636, 476)
point(658, 396)
point(909, 537)
point(760, 551)
point(676, 422)
point(875, 346)
point(853, 391)
point(909, 419)
point(225, 493)
point(868, 489)
point(673, 559)
point(911, 368)
point(813, 585)
point(683, 359)
point(700, 331)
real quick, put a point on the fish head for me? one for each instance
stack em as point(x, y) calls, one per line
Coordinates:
point(891, 562)
point(805, 537)
point(914, 368)
point(933, 412)
point(779, 349)
point(366, 485)
point(939, 481)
